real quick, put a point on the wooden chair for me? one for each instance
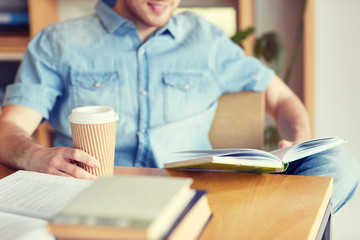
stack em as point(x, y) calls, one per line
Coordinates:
point(45, 134)
point(239, 122)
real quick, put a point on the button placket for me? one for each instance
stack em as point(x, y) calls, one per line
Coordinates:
point(143, 107)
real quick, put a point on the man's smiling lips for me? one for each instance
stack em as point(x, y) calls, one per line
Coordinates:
point(158, 7)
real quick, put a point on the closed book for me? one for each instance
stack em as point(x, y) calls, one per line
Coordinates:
point(193, 220)
point(124, 207)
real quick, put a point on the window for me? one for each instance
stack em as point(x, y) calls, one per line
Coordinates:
point(220, 12)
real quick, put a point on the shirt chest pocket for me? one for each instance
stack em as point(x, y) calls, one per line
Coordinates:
point(187, 93)
point(95, 88)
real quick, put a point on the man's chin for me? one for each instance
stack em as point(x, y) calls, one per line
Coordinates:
point(157, 22)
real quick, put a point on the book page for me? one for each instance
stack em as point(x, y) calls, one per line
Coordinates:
point(307, 148)
point(240, 153)
point(280, 153)
point(19, 227)
point(37, 194)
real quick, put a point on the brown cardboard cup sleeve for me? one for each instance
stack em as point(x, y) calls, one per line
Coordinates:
point(93, 130)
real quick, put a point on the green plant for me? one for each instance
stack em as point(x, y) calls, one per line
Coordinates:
point(268, 47)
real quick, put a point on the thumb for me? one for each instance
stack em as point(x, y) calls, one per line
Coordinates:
point(284, 143)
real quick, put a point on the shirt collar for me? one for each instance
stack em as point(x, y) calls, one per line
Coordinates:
point(168, 28)
point(109, 17)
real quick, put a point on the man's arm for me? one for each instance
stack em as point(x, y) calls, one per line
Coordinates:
point(20, 151)
point(289, 113)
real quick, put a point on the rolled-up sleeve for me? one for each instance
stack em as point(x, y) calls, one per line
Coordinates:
point(38, 83)
point(237, 72)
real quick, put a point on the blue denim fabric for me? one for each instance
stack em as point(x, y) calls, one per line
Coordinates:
point(164, 90)
point(337, 163)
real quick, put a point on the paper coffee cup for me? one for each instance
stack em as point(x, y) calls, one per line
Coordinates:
point(93, 130)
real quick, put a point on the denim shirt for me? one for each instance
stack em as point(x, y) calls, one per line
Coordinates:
point(165, 90)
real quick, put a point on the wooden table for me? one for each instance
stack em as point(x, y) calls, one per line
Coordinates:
point(255, 206)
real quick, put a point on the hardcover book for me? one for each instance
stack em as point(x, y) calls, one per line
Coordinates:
point(251, 160)
point(125, 207)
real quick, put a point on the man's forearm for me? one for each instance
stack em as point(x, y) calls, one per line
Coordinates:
point(288, 111)
point(16, 145)
point(292, 120)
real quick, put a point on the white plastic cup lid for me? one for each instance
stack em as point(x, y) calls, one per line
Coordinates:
point(93, 115)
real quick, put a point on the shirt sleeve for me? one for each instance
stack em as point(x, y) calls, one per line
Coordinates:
point(235, 71)
point(37, 84)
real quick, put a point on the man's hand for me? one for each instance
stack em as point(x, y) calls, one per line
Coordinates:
point(285, 143)
point(61, 161)
point(18, 149)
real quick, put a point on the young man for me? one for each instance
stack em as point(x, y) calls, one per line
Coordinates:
point(162, 74)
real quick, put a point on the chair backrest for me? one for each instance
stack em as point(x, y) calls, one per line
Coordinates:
point(45, 134)
point(239, 121)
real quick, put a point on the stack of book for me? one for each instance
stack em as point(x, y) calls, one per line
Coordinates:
point(40, 206)
point(134, 207)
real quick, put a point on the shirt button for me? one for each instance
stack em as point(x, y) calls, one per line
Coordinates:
point(142, 51)
point(144, 92)
point(142, 130)
point(96, 84)
point(186, 86)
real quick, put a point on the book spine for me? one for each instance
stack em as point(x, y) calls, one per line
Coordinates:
point(11, 18)
point(197, 196)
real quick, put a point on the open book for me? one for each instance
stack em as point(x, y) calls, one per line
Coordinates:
point(29, 199)
point(251, 160)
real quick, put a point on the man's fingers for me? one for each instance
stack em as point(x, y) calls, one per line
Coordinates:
point(61, 173)
point(284, 143)
point(65, 159)
point(55, 171)
point(81, 156)
point(61, 161)
point(75, 171)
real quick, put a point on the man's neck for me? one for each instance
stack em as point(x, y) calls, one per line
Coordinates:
point(143, 30)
